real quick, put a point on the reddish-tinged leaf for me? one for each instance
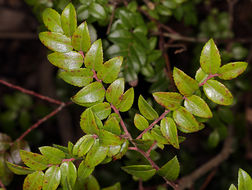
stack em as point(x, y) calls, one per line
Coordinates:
point(232, 70)
point(34, 181)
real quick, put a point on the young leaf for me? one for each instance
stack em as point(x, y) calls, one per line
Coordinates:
point(169, 100)
point(67, 61)
point(127, 100)
point(200, 75)
point(68, 175)
point(145, 109)
point(197, 106)
point(94, 57)
point(110, 70)
point(19, 170)
point(244, 180)
point(185, 84)
point(232, 70)
point(143, 172)
point(77, 77)
point(33, 160)
point(56, 41)
point(51, 19)
point(232, 187)
point(140, 122)
point(169, 130)
point(114, 92)
point(210, 58)
point(170, 170)
point(81, 39)
point(69, 20)
point(109, 139)
point(90, 95)
point(101, 110)
point(112, 125)
point(34, 181)
point(218, 93)
point(53, 155)
point(88, 123)
point(52, 178)
point(185, 121)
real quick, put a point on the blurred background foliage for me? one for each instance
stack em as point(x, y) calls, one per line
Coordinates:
point(143, 32)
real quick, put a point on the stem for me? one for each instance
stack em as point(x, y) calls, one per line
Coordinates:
point(2, 185)
point(154, 123)
point(152, 146)
point(68, 160)
point(209, 77)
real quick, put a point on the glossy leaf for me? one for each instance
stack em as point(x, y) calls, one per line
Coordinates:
point(185, 121)
point(56, 41)
point(145, 109)
point(94, 57)
point(185, 84)
point(101, 110)
point(67, 61)
point(77, 77)
point(158, 136)
point(170, 170)
point(210, 58)
point(114, 91)
point(143, 172)
point(52, 178)
point(200, 75)
point(96, 154)
point(218, 93)
point(53, 155)
point(244, 180)
point(97, 11)
point(68, 175)
point(88, 123)
point(232, 70)
point(112, 125)
point(122, 152)
point(69, 20)
point(77, 145)
point(126, 100)
point(113, 150)
point(140, 122)
point(169, 130)
point(19, 170)
point(5, 141)
point(33, 160)
point(232, 187)
point(109, 139)
point(110, 70)
point(34, 181)
point(51, 19)
point(90, 95)
point(81, 38)
point(169, 100)
point(86, 145)
point(197, 106)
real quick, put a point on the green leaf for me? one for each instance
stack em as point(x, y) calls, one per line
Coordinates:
point(210, 58)
point(77, 77)
point(91, 183)
point(113, 150)
point(34, 181)
point(126, 100)
point(122, 152)
point(117, 186)
point(56, 41)
point(158, 136)
point(170, 170)
point(86, 145)
point(19, 170)
point(81, 38)
point(109, 139)
point(185, 121)
point(232, 70)
point(232, 187)
point(88, 123)
point(185, 84)
point(169, 130)
point(68, 175)
point(200, 75)
point(140, 122)
point(70, 147)
point(244, 180)
point(112, 125)
point(213, 139)
point(169, 100)
point(143, 144)
point(69, 20)
point(101, 110)
point(15, 150)
point(83, 173)
point(94, 57)
point(53, 155)
point(145, 109)
point(52, 178)
point(217, 92)
point(197, 106)
point(51, 19)
point(97, 11)
point(143, 172)
point(90, 95)
point(33, 160)
point(67, 61)
point(96, 154)
point(110, 70)
point(115, 91)
point(5, 141)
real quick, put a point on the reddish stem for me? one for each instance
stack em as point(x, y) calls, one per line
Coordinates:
point(150, 149)
point(208, 77)
point(154, 123)
point(48, 99)
point(68, 160)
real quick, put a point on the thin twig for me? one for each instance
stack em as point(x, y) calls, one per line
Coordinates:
point(208, 179)
point(151, 147)
point(2, 185)
point(111, 18)
point(140, 184)
point(32, 93)
point(208, 77)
